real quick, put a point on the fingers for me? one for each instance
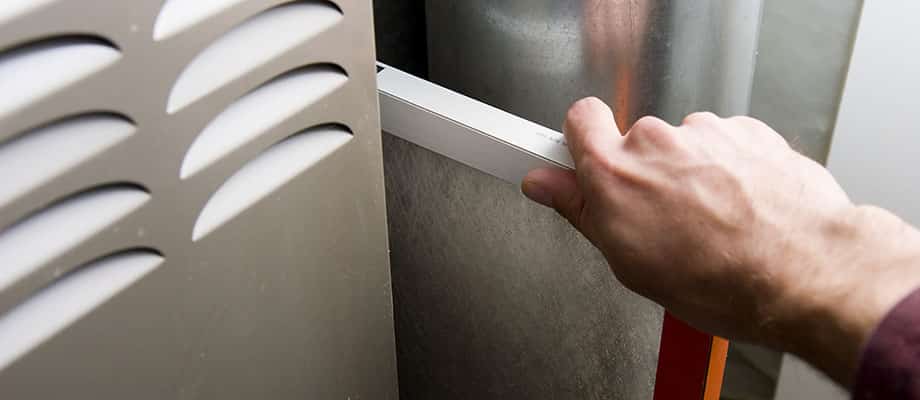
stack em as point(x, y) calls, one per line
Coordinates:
point(555, 188)
point(590, 128)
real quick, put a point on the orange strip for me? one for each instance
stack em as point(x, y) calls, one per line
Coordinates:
point(714, 376)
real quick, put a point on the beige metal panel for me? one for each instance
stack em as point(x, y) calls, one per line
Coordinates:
point(252, 124)
point(804, 52)
point(876, 143)
point(799, 380)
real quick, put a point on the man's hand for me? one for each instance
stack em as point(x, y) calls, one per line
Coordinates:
point(719, 221)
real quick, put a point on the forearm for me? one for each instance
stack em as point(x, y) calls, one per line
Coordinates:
point(875, 263)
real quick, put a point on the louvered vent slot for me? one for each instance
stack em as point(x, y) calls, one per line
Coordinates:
point(179, 15)
point(267, 172)
point(68, 299)
point(33, 71)
point(253, 43)
point(39, 238)
point(259, 111)
point(34, 158)
point(10, 9)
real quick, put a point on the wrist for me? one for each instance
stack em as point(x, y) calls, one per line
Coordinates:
point(864, 261)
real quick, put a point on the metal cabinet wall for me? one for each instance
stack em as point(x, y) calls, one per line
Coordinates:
point(803, 57)
point(192, 202)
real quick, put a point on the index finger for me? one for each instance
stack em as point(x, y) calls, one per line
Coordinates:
point(590, 128)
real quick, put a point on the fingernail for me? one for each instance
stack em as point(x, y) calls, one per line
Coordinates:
point(536, 193)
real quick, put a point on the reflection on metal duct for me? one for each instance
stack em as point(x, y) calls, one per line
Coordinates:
point(534, 58)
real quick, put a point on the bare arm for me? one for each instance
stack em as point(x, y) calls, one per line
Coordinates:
point(719, 221)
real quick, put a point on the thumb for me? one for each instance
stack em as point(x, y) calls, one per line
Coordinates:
point(556, 188)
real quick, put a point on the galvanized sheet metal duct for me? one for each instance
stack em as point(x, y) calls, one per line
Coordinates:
point(535, 57)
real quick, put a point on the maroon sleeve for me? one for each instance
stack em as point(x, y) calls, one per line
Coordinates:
point(890, 365)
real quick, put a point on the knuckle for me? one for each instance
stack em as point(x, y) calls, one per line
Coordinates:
point(748, 122)
point(778, 139)
point(700, 117)
point(651, 129)
point(743, 119)
point(759, 128)
point(649, 123)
